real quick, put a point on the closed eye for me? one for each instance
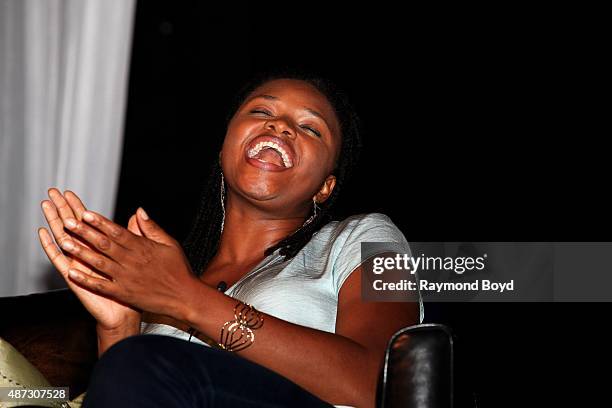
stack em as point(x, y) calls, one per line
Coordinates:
point(268, 113)
point(312, 130)
point(261, 111)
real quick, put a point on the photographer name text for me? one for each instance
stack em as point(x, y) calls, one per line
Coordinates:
point(424, 285)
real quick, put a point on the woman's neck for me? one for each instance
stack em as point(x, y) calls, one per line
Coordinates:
point(248, 232)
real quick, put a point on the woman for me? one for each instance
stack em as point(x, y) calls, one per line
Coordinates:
point(292, 322)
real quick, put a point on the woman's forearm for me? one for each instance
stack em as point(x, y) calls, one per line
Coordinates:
point(334, 368)
point(108, 337)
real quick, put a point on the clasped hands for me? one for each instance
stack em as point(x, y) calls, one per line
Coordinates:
point(115, 272)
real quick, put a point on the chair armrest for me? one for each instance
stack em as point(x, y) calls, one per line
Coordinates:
point(55, 333)
point(418, 368)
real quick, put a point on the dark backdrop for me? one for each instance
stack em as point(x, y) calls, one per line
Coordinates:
point(468, 137)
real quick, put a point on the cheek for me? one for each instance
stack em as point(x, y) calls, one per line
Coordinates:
point(230, 148)
point(316, 165)
point(320, 158)
point(236, 136)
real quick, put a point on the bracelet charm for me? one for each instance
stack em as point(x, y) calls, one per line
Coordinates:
point(238, 334)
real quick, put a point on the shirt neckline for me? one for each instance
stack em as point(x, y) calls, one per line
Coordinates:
point(264, 262)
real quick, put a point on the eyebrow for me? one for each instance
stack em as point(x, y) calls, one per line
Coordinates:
point(270, 97)
point(314, 113)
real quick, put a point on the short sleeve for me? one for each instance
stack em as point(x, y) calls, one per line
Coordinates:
point(373, 227)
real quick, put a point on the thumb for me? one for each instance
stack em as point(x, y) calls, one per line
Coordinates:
point(151, 230)
point(133, 226)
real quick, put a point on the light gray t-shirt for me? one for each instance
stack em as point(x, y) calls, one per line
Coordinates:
point(304, 290)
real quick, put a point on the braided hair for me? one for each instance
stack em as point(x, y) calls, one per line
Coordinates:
point(202, 242)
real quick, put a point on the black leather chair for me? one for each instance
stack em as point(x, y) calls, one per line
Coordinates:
point(418, 368)
point(55, 332)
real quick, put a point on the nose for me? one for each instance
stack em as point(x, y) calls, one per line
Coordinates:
point(282, 127)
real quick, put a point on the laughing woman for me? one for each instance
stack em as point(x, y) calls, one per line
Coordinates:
point(262, 305)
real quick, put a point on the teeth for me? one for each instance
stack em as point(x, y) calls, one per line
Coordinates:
point(259, 146)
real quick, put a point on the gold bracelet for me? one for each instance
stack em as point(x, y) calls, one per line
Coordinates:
point(238, 334)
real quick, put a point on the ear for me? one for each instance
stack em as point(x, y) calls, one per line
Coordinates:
point(326, 189)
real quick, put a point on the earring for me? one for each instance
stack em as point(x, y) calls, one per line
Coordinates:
point(222, 202)
point(314, 214)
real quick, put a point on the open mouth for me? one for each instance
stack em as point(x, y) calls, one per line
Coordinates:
point(268, 150)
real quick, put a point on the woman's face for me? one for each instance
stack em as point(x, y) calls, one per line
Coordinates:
point(281, 147)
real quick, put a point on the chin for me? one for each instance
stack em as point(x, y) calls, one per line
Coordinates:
point(259, 188)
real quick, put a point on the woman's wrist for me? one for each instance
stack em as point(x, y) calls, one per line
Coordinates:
point(107, 336)
point(128, 327)
point(196, 295)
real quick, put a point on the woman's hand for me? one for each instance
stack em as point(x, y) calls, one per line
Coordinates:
point(150, 272)
point(109, 313)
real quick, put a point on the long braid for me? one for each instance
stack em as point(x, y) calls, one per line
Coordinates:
point(203, 240)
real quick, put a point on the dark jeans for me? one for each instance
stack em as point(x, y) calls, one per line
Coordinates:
point(161, 371)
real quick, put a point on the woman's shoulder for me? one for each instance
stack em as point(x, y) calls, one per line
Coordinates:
point(366, 227)
point(341, 246)
point(362, 222)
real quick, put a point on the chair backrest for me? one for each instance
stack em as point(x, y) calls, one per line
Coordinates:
point(55, 333)
point(418, 369)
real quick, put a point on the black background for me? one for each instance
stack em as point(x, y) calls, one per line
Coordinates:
point(477, 128)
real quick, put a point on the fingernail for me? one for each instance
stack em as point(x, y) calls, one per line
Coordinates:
point(68, 245)
point(143, 213)
point(73, 273)
point(70, 223)
point(87, 216)
point(42, 236)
